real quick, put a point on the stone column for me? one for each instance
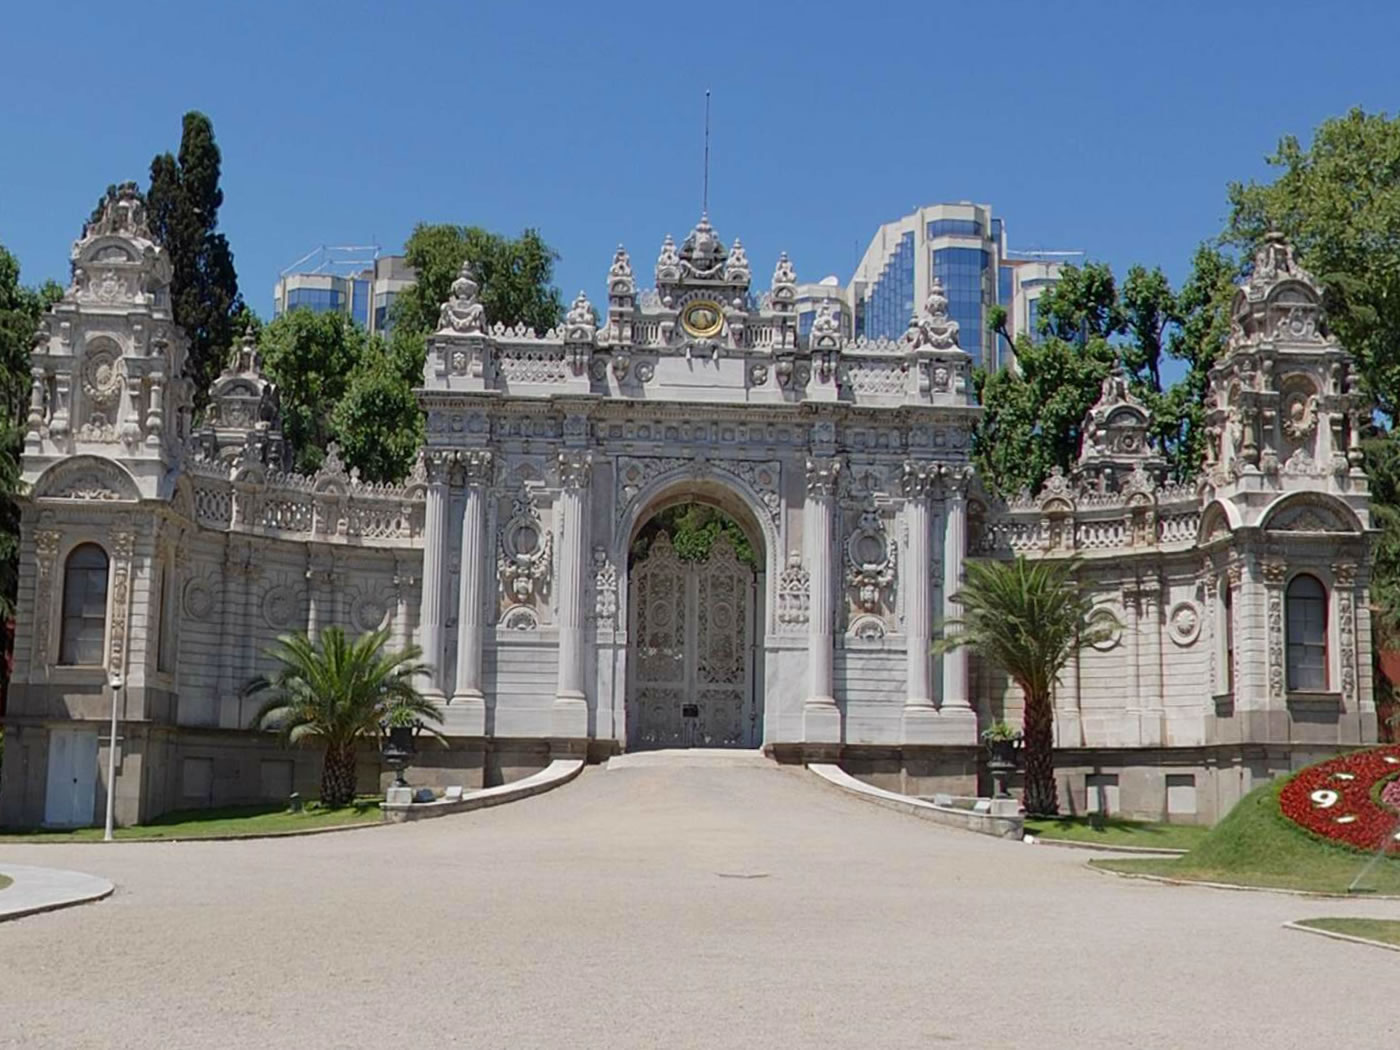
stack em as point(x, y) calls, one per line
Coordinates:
point(1150, 666)
point(916, 581)
point(955, 697)
point(821, 720)
point(471, 619)
point(432, 612)
point(570, 698)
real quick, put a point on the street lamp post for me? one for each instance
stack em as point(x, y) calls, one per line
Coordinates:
point(114, 679)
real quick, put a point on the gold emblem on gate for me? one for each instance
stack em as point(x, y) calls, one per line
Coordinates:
point(703, 318)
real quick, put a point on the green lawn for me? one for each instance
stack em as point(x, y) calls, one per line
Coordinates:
point(1115, 831)
point(221, 822)
point(1256, 845)
point(1387, 931)
point(5, 880)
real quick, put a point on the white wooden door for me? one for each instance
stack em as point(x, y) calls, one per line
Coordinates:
point(691, 662)
point(70, 796)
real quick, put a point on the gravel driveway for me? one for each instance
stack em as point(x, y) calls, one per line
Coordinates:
point(671, 907)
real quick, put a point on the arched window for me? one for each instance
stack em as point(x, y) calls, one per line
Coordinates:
point(1307, 634)
point(84, 606)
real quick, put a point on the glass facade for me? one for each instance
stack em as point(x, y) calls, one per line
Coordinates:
point(963, 272)
point(890, 301)
point(1006, 286)
point(1032, 316)
point(321, 300)
point(383, 318)
point(359, 302)
point(954, 228)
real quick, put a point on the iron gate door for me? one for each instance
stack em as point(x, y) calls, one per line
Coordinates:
point(691, 679)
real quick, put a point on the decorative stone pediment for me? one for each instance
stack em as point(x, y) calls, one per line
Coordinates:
point(1115, 444)
point(1280, 302)
point(87, 479)
point(1311, 514)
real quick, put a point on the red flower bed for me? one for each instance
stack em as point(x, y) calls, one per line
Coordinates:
point(1352, 799)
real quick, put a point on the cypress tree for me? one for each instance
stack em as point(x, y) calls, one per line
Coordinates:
point(183, 212)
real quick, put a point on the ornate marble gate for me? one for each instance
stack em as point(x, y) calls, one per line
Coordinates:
point(693, 656)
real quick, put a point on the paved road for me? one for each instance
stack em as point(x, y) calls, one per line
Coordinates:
point(671, 907)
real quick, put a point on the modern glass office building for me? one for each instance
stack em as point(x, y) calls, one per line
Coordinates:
point(362, 287)
point(964, 246)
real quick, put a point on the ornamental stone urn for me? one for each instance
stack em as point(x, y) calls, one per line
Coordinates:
point(1002, 750)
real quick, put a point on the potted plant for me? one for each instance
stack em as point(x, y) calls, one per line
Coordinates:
point(1002, 741)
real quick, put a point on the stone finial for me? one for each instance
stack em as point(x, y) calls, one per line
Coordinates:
point(702, 254)
point(123, 213)
point(1280, 301)
point(462, 313)
point(933, 329)
point(736, 270)
point(620, 280)
point(581, 312)
point(784, 280)
point(668, 263)
point(826, 332)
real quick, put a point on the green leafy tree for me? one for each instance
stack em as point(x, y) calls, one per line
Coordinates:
point(694, 528)
point(515, 275)
point(1029, 618)
point(20, 311)
point(1033, 414)
point(377, 422)
point(183, 212)
point(334, 691)
point(314, 358)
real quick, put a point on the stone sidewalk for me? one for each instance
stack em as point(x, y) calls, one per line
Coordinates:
point(36, 890)
point(678, 907)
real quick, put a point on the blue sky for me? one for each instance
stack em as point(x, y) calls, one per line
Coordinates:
point(1107, 127)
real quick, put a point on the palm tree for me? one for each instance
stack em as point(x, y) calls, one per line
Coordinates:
point(1030, 618)
point(336, 691)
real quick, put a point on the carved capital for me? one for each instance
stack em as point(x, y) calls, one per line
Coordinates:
point(919, 478)
point(437, 465)
point(1273, 572)
point(822, 475)
point(1344, 573)
point(575, 470)
point(476, 464)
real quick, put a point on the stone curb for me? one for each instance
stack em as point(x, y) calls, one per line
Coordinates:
point(983, 823)
point(42, 840)
point(1165, 880)
point(558, 772)
point(1150, 851)
point(35, 899)
point(1341, 936)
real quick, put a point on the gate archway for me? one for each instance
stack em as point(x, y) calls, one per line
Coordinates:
point(695, 628)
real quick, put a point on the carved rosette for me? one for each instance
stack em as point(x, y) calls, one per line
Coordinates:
point(525, 551)
point(870, 562)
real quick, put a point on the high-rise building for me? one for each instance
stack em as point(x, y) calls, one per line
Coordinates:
point(358, 282)
point(963, 245)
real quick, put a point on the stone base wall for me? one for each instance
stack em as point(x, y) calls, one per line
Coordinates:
point(161, 768)
point(908, 770)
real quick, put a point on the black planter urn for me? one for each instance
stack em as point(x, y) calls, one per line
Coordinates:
point(398, 750)
point(1001, 763)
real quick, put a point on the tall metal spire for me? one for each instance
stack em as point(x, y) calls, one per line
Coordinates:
point(705, 191)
